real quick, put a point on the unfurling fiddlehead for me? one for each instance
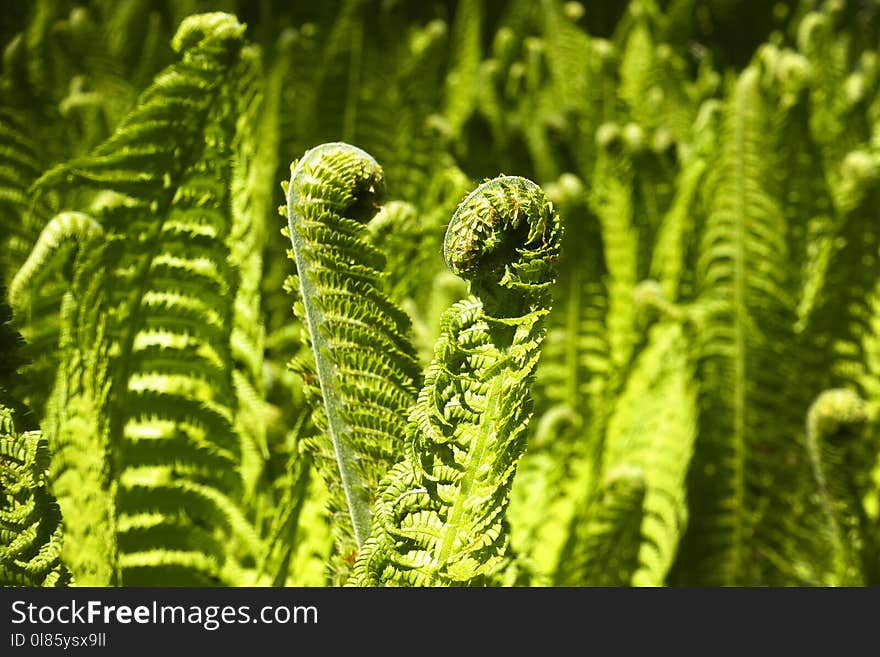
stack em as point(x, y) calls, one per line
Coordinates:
point(842, 458)
point(63, 230)
point(440, 515)
point(364, 368)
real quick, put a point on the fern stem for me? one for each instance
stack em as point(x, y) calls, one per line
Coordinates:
point(355, 491)
point(485, 435)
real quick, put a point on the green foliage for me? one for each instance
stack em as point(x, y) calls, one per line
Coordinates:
point(143, 408)
point(749, 334)
point(363, 375)
point(30, 520)
point(842, 460)
point(603, 546)
point(682, 387)
point(440, 514)
point(648, 446)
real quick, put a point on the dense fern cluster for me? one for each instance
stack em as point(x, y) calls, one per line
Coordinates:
point(578, 293)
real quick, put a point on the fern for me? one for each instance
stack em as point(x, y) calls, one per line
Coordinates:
point(613, 204)
point(705, 400)
point(742, 530)
point(603, 547)
point(363, 373)
point(674, 251)
point(842, 459)
point(651, 431)
point(30, 520)
point(146, 378)
point(47, 256)
point(31, 535)
point(440, 515)
point(254, 163)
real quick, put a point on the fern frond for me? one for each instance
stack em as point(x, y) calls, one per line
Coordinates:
point(158, 293)
point(654, 427)
point(744, 529)
point(364, 367)
point(611, 200)
point(651, 430)
point(30, 520)
point(19, 168)
point(440, 514)
point(36, 294)
point(566, 48)
point(673, 254)
point(637, 68)
point(603, 545)
point(62, 231)
point(654, 80)
point(842, 458)
point(255, 160)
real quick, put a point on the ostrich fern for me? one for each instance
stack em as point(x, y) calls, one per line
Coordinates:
point(440, 514)
point(31, 534)
point(679, 388)
point(363, 367)
point(141, 418)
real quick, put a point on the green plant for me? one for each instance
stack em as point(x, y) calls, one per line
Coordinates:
point(30, 520)
point(440, 516)
point(657, 364)
point(361, 378)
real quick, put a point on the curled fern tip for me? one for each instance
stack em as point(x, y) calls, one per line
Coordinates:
point(506, 232)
